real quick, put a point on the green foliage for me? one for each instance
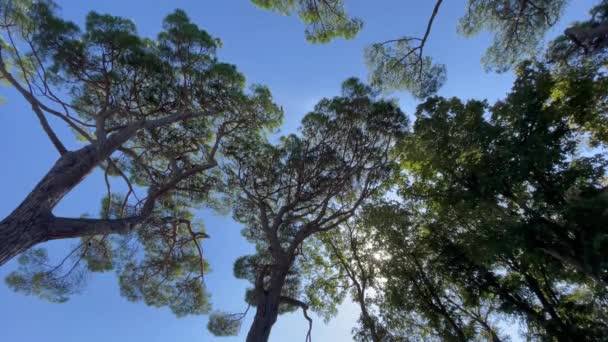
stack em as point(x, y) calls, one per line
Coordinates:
point(325, 19)
point(503, 213)
point(104, 78)
point(518, 27)
point(307, 184)
point(97, 253)
point(582, 93)
point(34, 278)
point(324, 288)
point(183, 295)
point(396, 66)
point(498, 216)
point(224, 324)
point(170, 268)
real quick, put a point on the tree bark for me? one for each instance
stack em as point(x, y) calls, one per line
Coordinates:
point(21, 230)
point(267, 308)
point(31, 222)
point(589, 38)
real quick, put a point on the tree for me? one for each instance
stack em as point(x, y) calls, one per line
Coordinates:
point(509, 210)
point(402, 64)
point(357, 258)
point(499, 217)
point(518, 27)
point(306, 185)
point(156, 114)
point(414, 296)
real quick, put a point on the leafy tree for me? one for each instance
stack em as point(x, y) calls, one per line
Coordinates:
point(510, 212)
point(306, 185)
point(419, 297)
point(518, 27)
point(352, 251)
point(578, 59)
point(391, 275)
point(401, 63)
point(540, 147)
point(501, 217)
point(157, 114)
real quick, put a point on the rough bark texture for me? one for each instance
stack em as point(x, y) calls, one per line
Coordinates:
point(267, 309)
point(32, 221)
point(24, 228)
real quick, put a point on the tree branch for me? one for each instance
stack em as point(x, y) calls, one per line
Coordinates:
point(60, 227)
point(64, 227)
point(30, 98)
point(304, 307)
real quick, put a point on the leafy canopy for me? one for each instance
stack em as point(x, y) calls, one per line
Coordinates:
point(498, 216)
point(308, 184)
point(501, 214)
point(160, 114)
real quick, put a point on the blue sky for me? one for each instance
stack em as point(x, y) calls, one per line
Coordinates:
point(269, 49)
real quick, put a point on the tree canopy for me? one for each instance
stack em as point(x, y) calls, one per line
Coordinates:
point(306, 185)
point(156, 114)
point(500, 217)
point(471, 217)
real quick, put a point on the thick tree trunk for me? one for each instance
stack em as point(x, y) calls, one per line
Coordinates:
point(20, 231)
point(30, 223)
point(267, 309)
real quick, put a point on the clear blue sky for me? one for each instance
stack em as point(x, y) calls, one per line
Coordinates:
point(269, 49)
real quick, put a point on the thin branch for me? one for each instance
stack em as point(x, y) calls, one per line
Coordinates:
point(418, 50)
point(304, 307)
point(430, 23)
point(35, 107)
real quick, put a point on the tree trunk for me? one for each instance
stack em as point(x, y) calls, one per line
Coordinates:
point(29, 224)
point(267, 309)
point(368, 321)
point(20, 231)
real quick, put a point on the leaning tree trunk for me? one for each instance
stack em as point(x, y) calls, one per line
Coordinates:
point(267, 308)
point(30, 223)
